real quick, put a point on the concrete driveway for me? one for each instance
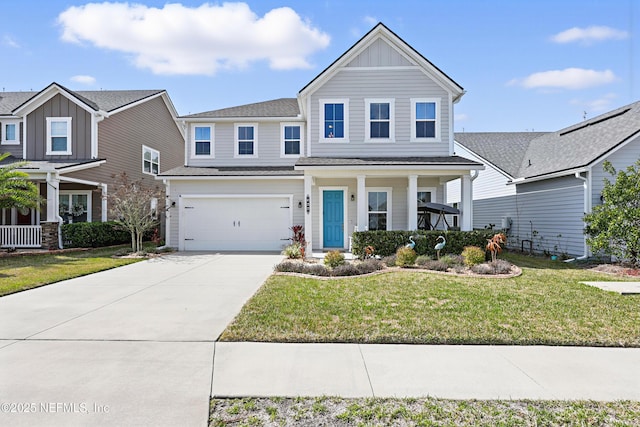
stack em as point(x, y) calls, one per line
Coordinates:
point(128, 346)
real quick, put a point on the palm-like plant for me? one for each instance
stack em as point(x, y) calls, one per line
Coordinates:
point(16, 190)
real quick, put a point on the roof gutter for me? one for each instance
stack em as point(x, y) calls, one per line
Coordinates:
point(586, 183)
point(560, 174)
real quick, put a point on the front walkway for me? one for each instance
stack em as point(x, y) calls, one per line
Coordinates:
point(444, 371)
point(132, 346)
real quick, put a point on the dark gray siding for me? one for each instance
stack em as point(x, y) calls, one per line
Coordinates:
point(59, 106)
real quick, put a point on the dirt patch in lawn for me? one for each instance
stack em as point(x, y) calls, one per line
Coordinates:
point(617, 270)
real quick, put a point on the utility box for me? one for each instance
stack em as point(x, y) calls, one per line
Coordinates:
point(506, 223)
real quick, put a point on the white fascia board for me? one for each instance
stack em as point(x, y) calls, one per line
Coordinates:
point(569, 172)
point(136, 103)
point(79, 181)
point(483, 160)
point(228, 178)
point(297, 118)
point(83, 166)
point(46, 95)
point(421, 168)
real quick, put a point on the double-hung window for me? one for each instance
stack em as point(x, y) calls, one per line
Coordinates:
point(75, 206)
point(150, 160)
point(380, 120)
point(425, 119)
point(334, 119)
point(379, 208)
point(10, 133)
point(291, 140)
point(58, 135)
point(202, 145)
point(246, 140)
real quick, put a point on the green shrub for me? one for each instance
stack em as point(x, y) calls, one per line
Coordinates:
point(387, 242)
point(405, 257)
point(422, 260)
point(472, 255)
point(390, 260)
point(334, 259)
point(93, 235)
point(452, 260)
point(293, 251)
point(369, 266)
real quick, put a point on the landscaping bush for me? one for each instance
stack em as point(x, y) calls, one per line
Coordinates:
point(472, 255)
point(93, 235)
point(387, 242)
point(293, 251)
point(484, 268)
point(334, 259)
point(289, 267)
point(422, 260)
point(369, 266)
point(345, 270)
point(316, 270)
point(390, 260)
point(499, 266)
point(406, 257)
point(436, 265)
point(452, 260)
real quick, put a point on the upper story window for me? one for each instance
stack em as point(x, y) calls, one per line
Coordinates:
point(150, 160)
point(58, 135)
point(202, 141)
point(246, 140)
point(380, 120)
point(10, 133)
point(334, 120)
point(425, 119)
point(291, 140)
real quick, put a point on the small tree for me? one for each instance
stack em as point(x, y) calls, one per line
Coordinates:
point(614, 226)
point(130, 204)
point(15, 188)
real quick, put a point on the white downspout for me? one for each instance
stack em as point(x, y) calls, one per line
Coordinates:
point(586, 184)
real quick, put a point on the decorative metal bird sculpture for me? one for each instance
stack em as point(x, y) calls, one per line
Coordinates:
point(440, 246)
point(411, 243)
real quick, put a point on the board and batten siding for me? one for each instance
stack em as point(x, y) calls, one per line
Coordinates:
point(58, 106)
point(15, 150)
point(400, 84)
point(379, 54)
point(236, 187)
point(620, 159)
point(269, 144)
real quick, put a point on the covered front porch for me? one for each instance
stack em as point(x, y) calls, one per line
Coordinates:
point(343, 198)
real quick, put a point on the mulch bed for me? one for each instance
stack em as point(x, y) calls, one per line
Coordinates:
point(617, 270)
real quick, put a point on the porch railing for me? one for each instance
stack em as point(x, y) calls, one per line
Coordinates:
point(20, 236)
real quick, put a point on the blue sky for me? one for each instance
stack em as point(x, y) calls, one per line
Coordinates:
point(526, 65)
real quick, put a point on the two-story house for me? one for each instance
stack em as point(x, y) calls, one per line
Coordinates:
point(75, 143)
point(360, 147)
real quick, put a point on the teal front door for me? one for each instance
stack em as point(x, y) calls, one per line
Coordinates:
point(333, 218)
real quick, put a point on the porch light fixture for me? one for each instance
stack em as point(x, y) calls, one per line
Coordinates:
point(308, 204)
point(353, 197)
point(299, 204)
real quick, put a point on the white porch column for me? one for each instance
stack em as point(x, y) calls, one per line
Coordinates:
point(363, 217)
point(53, 189)
point(104, 205)
point(308, 209)
point(412, 204)
point(466, 197)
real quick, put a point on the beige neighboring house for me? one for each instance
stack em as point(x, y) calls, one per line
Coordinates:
point(363, 146)
point(74, 143)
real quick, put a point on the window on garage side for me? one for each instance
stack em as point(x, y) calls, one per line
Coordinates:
point(202, 141)
point(291, 140)
point(246, 140)
point(150, 160)
point(379, 208)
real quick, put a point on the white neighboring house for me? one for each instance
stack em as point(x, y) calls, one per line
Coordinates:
point(356, 149)
point(538, 186)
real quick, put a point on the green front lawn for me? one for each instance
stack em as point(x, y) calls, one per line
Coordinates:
point(22, 272)
point(546, 305)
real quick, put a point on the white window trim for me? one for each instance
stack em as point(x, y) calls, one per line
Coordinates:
point(69, 193)
point(6, 141)
point(50, 152)
point(212, 154)
point(144, 147)
point(345, 139)
point(282, 126)
point(392, 119)
point(414, 101)
point(389, 191)
point(236, 146)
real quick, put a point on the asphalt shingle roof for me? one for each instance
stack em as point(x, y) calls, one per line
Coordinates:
point(283, 107)
point(231, 171)
point(533, 154)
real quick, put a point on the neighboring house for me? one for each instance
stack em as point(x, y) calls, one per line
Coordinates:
point(360, 146)
point(540, 185)
point(74, 143)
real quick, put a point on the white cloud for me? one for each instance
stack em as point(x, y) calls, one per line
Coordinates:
point(461, 117)
point(85, 80)
point(595, 105)
point(198, 41)
point(370, 20)
point(569, 78)
point(10, 42)
point(589, 35)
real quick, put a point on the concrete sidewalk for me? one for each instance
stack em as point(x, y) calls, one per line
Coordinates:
point(454, 372)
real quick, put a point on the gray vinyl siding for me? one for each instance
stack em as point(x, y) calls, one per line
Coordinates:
point(269, 142)
point(379, 54)
point(400, 84)
point(491, 211)
point(294, 187)
point(620, 159)
point(120, 140)
point(59, 106)
point(552, 207)
point(490, 183)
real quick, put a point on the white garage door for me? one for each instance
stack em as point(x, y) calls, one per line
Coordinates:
point(235, 223)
